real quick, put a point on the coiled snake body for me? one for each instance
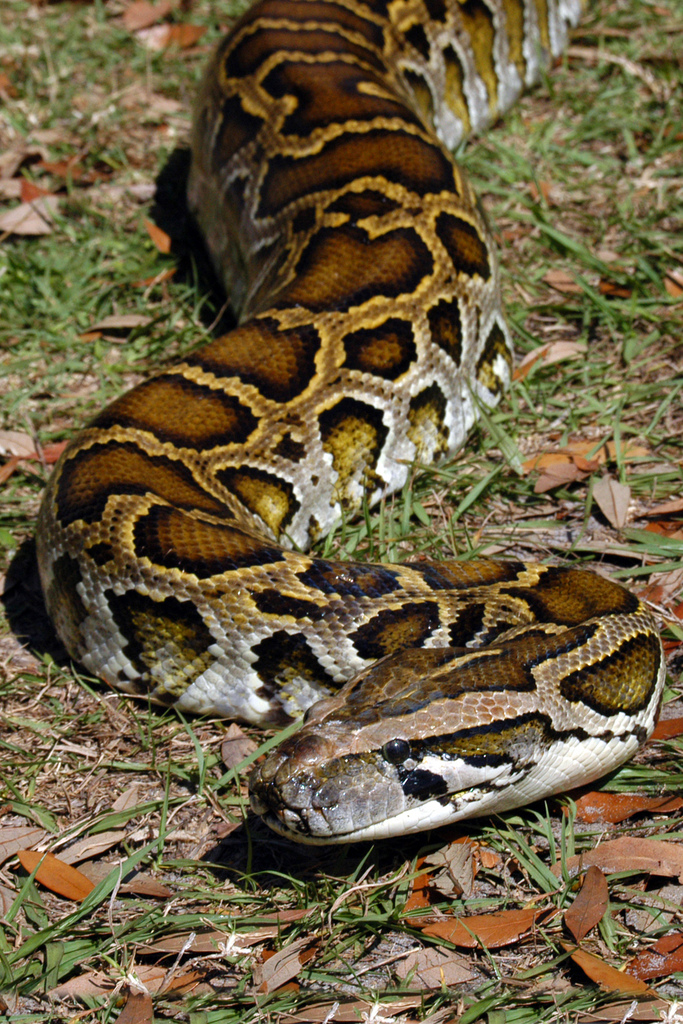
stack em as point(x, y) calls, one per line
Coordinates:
point(171, 532)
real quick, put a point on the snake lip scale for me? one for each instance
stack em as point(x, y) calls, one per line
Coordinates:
point(172, 536)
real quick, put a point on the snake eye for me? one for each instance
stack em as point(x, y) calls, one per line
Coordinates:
point(396, 751)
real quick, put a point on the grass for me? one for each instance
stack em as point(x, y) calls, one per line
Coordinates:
point(583, 185)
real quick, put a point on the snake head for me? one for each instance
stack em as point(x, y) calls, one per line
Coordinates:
point(428, 737)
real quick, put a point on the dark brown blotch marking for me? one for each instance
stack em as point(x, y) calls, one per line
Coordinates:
point(396, 629)
point(279, 363)
point(352, 579)
point(385, 351)
point(87, 481)
point(464, 246)
point(184, 413)
point(174, 540)
point(446, 328)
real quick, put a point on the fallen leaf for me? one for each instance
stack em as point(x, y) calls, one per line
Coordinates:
point(54, 874)
point(282, 966)
point(667, 729)
point(121, 322)
point(589, 906)
point(673, 283)
point(563, 282)
point(91, 846)
point(161, 240)
point(141, 884)
point(616, 807)
point(352, 1012)
point(129, 798)
point(546, 355)
point(18, 837)
point(613, 290)
point(33, 218)
point(141, 14)
point(138, 1009)
point(661, 960)
point(667, 508)
point(489, 930)
point(432, 968)
point(455, 868)
point(653, 856)
point(236, 746)
point(613, 500)
point(212, 941)
point(606, 976)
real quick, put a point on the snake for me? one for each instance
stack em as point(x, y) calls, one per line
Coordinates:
point(175, 535)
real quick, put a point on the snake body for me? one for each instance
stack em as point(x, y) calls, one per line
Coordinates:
point(172, 534)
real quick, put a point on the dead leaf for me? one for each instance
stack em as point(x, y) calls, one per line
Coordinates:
point(620, 1012)
point(432, 968)
point(236, 746)
point(282, 966)
point(141, 14)
point(141, 884)
point(616, 807)
point(563, 282)
point(18, 837)
point(455, 868)
point(607, 977)
point(121, 322)
point(667, 508)
point(91, 846)
point(673, 283)
point(613, 290)
point(559, 474)
point(589, 906)
point(351, 1012)
point(162, 241)
point(138, 1009)
point(612, 498)
point(33, 218)
point(667, 729)
point(54, 874)
point(652, 856)
point(96, 983)
point(546, 355)
point(661, 960)
point(212, 941)
point(129, 798)
point(489, 930)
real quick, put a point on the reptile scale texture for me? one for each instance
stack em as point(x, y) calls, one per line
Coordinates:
point(173, 532)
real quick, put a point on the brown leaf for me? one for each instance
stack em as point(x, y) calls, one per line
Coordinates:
point(620, 1012)
point(351, 1012)
point(667, 729)
point(607, 977)
point(162, 241)
point(667, 508)
point(54, 874)
point(653, 856)
point(141, 14)
point(546, 355)
point(185, 35)
point(661, 960)
point(33, 218)
point(673, 282)
point(139, 1009)
point(281, 967)
point(141, 884)
point(613, 290)
point(455, 868)
point(121, 322)
point(432, 968)
point(489, 930)
point(563, 282)
point(211, 941)
point(616, 807)
point(236, 746)
point(91, 846)
point(18, 837)
point(612, 499)
point(589, 906)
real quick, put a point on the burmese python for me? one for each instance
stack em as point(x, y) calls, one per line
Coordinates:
point(370, 329)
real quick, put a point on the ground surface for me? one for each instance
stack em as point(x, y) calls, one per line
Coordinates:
point(197, 913)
